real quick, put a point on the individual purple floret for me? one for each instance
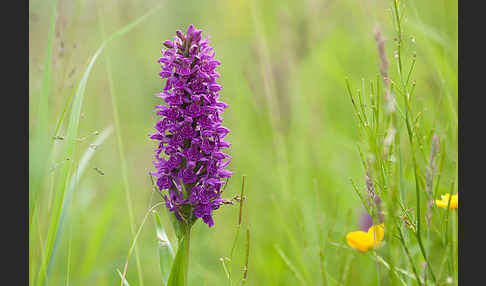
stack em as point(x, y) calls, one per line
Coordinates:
point(189, 161)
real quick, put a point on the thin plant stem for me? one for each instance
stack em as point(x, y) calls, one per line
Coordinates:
point(410, 136)
point(134, 242)
point(247, 255)
point(120, 146)
point(402, 240)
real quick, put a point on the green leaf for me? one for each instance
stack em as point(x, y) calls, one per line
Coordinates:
point(178, 273)
point(67, 167)
point(40, 134)
point(166, 251)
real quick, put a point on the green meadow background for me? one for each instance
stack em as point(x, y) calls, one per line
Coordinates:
point(293, 133)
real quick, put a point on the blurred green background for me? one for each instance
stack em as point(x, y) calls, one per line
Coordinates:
point(293, 131)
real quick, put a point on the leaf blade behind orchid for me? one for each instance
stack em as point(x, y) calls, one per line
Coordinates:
point(166, 251)
point(178, 272)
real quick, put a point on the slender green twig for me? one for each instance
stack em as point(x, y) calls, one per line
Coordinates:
point(135, 238)
point(402, 240)
point(238, 227)
point(242, 199)
point(410, 137)
point(223, 262)
point(247, 255)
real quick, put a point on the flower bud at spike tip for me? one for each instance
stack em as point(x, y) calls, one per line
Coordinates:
point(168, 44)
point(180, 35)
point(190, 167)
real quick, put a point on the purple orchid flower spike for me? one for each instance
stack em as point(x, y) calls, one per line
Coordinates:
point(189, 131)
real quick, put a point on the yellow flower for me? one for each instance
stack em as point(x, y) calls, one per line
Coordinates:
point(444, 201)
point(364, 241)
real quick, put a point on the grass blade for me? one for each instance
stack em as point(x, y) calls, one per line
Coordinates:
point(94, 247)
point(118, 129)
point(40, 134)
point(395, 270)
point(66, 168)
point(166, 252)
point(66, 207)
point(134, 242)
point(46, 78)
point(290, 265)
point(71, 136)
point(125, 282)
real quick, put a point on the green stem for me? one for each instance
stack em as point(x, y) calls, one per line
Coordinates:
point(407, 99)
point(178, 272)
point(399, 39)
point(402, 240)
point(454, 244)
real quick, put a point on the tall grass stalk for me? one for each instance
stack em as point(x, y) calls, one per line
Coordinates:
point(121, 153)
point(407, 98)
point(247, 256)
point(238, 227)
point(69, 152)
point(240, 217)
point(66, 168)
point(68, 263)
point(73, 183)
point(40, 136)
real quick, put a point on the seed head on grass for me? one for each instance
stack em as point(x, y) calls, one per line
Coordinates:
point(383, 67)
point(429, 175)
point(380, 45)
point(189, 131)
point(373, 199)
